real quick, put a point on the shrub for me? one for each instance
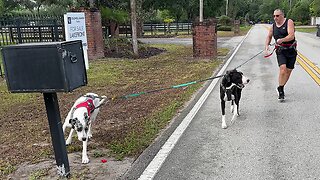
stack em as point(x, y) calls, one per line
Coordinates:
point(224, 20)
point(224, 28)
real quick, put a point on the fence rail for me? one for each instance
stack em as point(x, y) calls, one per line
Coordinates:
point(19, 30)
point(158, 29)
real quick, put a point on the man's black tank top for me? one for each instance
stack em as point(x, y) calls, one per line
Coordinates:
point(281, 32)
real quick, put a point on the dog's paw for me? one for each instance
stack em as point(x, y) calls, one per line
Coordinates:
point(68, 142)
point(224, 126)
point(104, 97)
point(85, 160)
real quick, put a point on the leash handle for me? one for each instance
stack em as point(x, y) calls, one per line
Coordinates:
point(275, 47)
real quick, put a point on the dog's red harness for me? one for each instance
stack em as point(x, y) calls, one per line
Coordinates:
point(87, 104)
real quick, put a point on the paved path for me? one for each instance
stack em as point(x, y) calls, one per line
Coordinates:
point(270, 140)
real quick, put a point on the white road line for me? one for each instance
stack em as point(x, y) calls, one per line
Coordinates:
point(165, 150)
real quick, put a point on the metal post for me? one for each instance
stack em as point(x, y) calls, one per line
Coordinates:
point(57, 137)
point(18, 21)
point(56, 32)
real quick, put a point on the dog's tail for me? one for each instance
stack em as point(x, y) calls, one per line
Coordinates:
point(102, 101)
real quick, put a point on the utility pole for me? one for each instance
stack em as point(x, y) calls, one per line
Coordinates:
point(201, 11)
point(227, 3)
point(290, 3)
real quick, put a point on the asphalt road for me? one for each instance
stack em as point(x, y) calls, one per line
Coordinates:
point(270, 140)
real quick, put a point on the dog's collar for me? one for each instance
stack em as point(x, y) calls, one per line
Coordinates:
point(232, 85)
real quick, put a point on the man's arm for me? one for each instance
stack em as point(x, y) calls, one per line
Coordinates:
point(268, 39)
point(290, 36)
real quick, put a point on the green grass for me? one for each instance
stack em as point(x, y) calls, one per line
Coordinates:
point(2, 71)
point(223, 51)
point(137, 140)
point(6, 168)
point(243, 31)
point(111, 76)
point(307, 30)
point(38, 174)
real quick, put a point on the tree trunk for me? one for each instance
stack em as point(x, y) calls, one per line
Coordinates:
point(139, 14)
point(201, 11)
point(134, 27)
point(114, 29)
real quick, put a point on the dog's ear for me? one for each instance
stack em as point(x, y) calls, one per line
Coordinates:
point(225, 80)
point(227, 77)
point(73, 122)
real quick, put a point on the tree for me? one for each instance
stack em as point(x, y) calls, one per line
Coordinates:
point(1, 7)
point(315, 8)
point(134, 27)
point(300, 11)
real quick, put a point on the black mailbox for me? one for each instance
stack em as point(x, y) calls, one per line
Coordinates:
point(44, 67)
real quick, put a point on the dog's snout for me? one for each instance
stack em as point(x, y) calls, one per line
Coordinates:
point(84, 139)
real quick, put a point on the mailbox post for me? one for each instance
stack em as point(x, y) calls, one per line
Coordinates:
point(47, 68)
point(57, 136)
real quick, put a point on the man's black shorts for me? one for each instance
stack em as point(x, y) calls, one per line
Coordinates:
point(287, 56)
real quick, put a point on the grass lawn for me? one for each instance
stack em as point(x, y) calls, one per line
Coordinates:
point(125, 127)
point(243, 31)
point(305, 29)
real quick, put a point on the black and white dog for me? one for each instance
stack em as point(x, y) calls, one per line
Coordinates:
point(79, 119)
point(231, 86)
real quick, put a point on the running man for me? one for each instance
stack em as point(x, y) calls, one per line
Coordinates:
point(282, 31)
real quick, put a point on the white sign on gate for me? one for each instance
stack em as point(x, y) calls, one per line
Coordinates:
point(75, 29)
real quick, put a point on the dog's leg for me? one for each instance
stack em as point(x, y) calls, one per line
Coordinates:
point(232, 106)
point(92, 120)
point(223, 106)
point(85, 158)
point(238, 101)
point(69, 139)
point(89, 132)
point(235, 112)
point(236, 109)
point(238, 112)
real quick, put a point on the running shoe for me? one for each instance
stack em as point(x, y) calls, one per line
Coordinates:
point(281, 95)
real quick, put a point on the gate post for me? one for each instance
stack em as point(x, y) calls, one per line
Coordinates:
point(205, 39)
point(236, 27)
